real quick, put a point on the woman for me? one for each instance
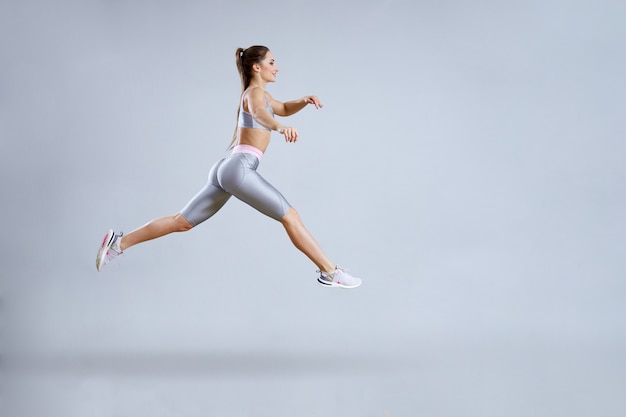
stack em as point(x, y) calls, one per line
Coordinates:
point(236, 174)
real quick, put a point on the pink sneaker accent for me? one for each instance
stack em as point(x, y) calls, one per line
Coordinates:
point(109, 249)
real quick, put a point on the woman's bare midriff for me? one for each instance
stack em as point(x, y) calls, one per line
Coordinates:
point(258, 138)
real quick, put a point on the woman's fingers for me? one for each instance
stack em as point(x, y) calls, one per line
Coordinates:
point(291, 134)
point(313, 100)
point(316, 101)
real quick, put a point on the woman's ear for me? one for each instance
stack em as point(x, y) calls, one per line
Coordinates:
point(256, 67)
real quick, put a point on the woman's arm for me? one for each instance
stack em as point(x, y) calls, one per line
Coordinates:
point(291, 107)
point(256, 106)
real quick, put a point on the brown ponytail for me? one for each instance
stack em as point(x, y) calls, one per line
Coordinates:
point(245, 59)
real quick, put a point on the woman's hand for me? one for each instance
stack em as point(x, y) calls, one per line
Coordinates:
point(290, 133)
point(313, 100)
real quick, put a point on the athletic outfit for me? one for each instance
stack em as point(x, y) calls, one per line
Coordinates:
point(236, 175)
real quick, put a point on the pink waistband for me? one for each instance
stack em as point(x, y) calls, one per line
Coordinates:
point(248, 149)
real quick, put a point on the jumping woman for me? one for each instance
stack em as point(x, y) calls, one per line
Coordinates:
point(237, 174)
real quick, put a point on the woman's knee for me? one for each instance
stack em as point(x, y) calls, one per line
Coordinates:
point(291, 217)
point(182, 224)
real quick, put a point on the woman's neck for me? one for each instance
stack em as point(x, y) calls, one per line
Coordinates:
point(257, 83)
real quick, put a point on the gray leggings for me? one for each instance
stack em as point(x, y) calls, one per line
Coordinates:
point(235, 175)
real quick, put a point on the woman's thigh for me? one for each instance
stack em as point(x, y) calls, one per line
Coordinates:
point(207, 201)
point(239, 177)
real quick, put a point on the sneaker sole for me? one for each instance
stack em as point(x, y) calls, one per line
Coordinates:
point(102, 252)
point(336, 285)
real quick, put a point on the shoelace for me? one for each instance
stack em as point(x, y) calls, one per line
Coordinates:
point(111, 254)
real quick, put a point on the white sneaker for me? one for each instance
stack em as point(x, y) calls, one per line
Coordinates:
point(109, 250)
point(339, 278)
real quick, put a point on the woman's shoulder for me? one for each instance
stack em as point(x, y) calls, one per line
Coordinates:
point(255, 91)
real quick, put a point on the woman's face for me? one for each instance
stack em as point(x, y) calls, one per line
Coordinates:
point(268, 68)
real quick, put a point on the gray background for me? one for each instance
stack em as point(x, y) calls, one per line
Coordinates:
point(468, 164)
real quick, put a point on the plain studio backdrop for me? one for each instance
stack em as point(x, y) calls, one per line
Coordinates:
point(468, 164)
